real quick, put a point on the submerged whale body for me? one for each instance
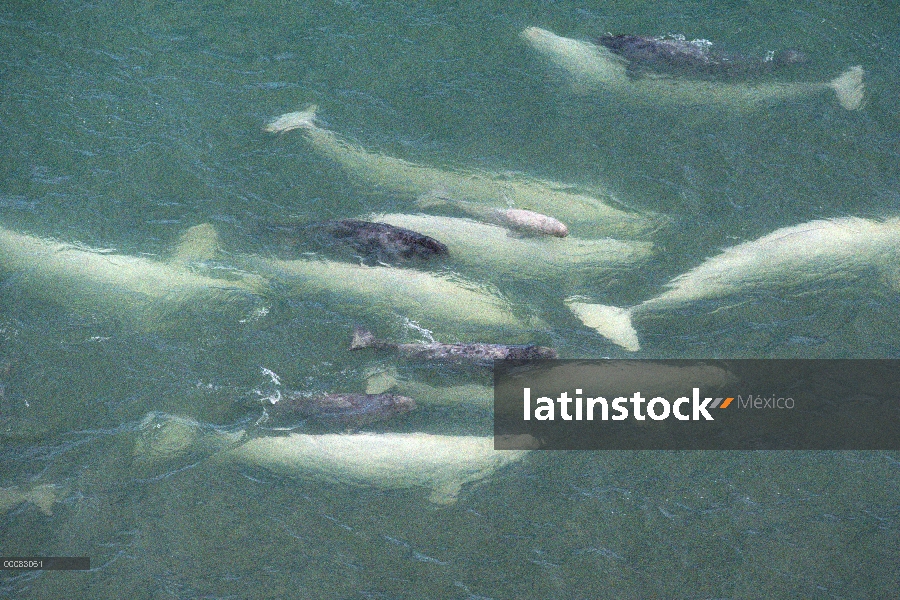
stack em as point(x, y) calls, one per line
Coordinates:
point(341, 410)
point(593, 210)
point(436, 301)
point(475, 353)
point(679, 56)
point(491, 249)
point(440, 463)
point(152, 294)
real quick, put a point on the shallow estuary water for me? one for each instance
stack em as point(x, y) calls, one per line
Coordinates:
point(125, 123)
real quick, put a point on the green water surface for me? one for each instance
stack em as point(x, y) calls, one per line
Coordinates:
point(124, 123)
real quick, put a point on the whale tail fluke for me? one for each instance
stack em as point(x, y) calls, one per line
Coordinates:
point(850, 89)
point(45, 496)
point(304, 119)
point(609, 321)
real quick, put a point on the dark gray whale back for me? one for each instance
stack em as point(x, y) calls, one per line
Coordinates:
point(472, 353)
point(693, 58)
point(383, 240)
point(349, 238)
point(340, 410)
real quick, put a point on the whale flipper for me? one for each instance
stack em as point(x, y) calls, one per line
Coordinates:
point(445, 494)
point(379, 382)
point(438, 197)
point(200, 242)
point(611, 322)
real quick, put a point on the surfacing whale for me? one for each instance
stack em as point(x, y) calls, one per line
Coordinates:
point(678, 56)
point(594, 68)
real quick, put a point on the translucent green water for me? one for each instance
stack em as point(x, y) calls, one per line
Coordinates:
point(123, 124)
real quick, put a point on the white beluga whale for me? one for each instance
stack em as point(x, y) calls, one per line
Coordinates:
point(593, 67)
point(494, 190)
point(515, 219)
point(439, 463)
point(528, 221)
point(843, 248)
point(150, 293)
point(444, 303)
point(491, 248)
point(156, 294)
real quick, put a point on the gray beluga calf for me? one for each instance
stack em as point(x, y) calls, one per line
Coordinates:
point(473, 353)
point(561, 201)
point(350, 411)
point(151, 293)
point(439, 463)
point(381, 241)
point(675, 54)
point(815, 251)
point(490, 248)
point(593, 67)
point(386, 239)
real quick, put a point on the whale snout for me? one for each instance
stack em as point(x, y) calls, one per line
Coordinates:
point(534, 34)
